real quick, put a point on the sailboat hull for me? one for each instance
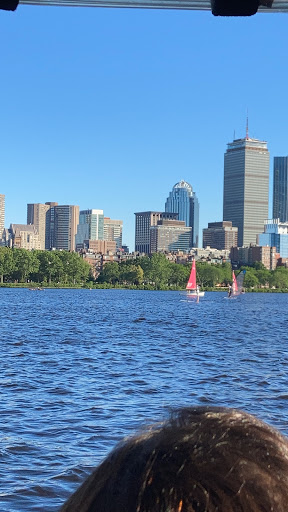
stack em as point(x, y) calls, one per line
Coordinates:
point(193, 293)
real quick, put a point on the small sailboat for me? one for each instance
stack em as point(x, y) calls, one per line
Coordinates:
point(192, 287)
point(237, 284)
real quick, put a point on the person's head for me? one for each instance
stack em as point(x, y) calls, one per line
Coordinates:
point(204, 459)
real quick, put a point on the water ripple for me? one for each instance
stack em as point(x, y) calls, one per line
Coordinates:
point(84, 368)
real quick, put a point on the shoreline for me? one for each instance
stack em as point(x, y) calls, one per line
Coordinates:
point(42, 287)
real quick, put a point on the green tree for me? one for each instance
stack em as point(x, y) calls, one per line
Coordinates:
point(132, 274)
point(226, 273)
point(208, 274)
point(26, 263)
point(145, 264)
point(7, 263)
point(179, 275)
point(160, 270)
point(279, 278)
point(264, 277)
point(110, 273)
point(251, 280)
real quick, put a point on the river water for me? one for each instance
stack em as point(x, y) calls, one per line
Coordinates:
point(80, 369)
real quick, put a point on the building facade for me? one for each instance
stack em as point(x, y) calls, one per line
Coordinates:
point(246, 187)
point(36, 215)
point(24, 236)
point(183, 200)
point(91, 226)
point(61, 227)
point(100, 246)
point(280, 188)
point(170, 236)
point(220, 235)
point(143, 222)
point(249, 255)
point(275, 234)
point(113, 231)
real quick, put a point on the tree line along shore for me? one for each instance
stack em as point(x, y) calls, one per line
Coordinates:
point(20, 267)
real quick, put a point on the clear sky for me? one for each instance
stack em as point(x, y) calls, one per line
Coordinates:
point(109, 108)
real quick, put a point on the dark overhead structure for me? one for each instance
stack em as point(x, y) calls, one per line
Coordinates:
point(218, 7)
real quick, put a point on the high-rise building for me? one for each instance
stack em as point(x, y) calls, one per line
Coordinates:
point(2, 214)
point(90, 227)
point(183, 200)
point(170, 236)
point(61, 227)
point(143, 223)
point(246, 187)
point(280, 188)
point(220, 235)
point(50, 224)
point(36, 216)
point(113, 231)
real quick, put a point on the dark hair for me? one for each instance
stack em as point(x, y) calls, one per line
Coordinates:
point(204, 459)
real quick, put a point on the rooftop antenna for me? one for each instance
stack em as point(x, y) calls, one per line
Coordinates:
point(247, 136)
point(234, 135)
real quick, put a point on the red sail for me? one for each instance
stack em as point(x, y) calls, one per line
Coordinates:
point(191, 285)
point(235, 285)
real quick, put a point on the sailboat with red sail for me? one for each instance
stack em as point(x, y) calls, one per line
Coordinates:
point(237, 284)
point(192, 287)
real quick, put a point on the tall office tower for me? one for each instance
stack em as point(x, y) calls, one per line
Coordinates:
point(91, 226)
point(2, 214)
point(143, 223)
point(113, 231)
point(61, 227)
point(36, 215)
point(280, 188)
point(183, 200)
point(246, 187)
point(49, 228)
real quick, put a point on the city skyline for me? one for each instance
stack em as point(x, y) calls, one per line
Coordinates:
point(176, 201)
point(112, 107)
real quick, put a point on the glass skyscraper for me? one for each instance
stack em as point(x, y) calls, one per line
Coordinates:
point(280, 188)
point(183, 200)
point(91, 226)
point(246, 187)
point(275, 235)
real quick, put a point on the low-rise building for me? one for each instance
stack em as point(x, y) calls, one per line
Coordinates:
point(220, 235)
point(24, 236)
point(249, 255)
point(97, 246)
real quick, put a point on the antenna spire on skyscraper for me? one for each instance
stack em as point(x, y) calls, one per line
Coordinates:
point(247, 135)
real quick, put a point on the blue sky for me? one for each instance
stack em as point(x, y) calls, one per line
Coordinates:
point(109, 108)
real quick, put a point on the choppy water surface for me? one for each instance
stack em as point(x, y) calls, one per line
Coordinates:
point(80, 369)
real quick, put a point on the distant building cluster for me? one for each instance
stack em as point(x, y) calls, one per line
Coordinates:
point(175, 229)
point(62, 227)
point(245, 235)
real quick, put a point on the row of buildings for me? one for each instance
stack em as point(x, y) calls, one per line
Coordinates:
point(63, 227)
point(175, 229)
